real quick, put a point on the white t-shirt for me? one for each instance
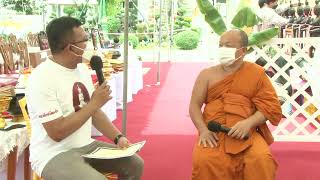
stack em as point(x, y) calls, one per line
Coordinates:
point(54, 91)
point(270, 18)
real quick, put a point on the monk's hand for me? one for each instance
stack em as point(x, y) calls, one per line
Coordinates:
point(207, 138)
point(240, 129)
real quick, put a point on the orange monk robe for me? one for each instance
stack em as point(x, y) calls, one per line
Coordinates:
point(229, 101)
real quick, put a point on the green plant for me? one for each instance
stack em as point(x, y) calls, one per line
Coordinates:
point(197, 30)
point(142, 28)
point(187, 40)
point(23, 6)
point(262, 36)
point(113, 7)
point(182, 21)
point(212, 16)
point(134, 40)
point(92, 17)
point(151, 28)
point(133, 19)
point(81, 12)
point(112, 24)
point(69, 10)
point(243, 19)
point(53, 15)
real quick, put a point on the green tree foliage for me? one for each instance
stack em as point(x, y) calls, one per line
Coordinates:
point(187, 40)
point(21, 6)
point(182, 21)
point(134, 40)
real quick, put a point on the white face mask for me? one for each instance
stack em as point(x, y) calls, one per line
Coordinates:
point(83, 50)
point(226, 55)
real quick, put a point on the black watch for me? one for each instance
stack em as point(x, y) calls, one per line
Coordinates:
point(116, 139)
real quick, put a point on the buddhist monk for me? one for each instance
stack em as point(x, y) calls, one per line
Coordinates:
point(238, 95)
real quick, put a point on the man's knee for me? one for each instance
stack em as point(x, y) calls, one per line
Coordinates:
point(132, 168)
point(71, 174)
point(137, 164)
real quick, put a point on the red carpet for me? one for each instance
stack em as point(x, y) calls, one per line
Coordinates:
point(159, 114)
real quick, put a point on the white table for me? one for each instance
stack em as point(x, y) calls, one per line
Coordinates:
point(135, 81)
point(119, 85)
point(136, 76)
point(110, 108)
point(12, 145)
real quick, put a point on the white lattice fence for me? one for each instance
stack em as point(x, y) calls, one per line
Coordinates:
point(292, 71)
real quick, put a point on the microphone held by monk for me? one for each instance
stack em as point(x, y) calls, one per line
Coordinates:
point(217, 127)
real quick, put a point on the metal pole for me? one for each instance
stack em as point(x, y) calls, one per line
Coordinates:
point(125, 73)
point(171, 29)
point(135, 6)
point(159, 52)
point(43, 18)
point(167, 3)
point(58, 10)
point(154, 31)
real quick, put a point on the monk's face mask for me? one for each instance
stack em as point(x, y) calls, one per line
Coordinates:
point(227, 55)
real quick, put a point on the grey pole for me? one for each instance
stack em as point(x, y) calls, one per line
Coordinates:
point(171, 29)
point(44, 15)
point(125, 73)
point(159, 52)
point(154, 32)
point(59, 10)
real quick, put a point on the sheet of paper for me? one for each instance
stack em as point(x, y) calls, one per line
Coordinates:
point(113, 153)
point(13, 125)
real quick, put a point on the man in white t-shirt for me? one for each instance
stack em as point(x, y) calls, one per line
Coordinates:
point(269, 16)
point(63, 105)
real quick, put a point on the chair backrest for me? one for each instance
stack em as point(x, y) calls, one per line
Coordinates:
point(43, 40)
point(7, 54)
point(23, 106)
point(13, 42)
point(32, 40)
point(24, 54)
point(102, 39)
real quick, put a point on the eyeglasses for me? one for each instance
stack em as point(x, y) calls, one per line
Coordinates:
point(81, 41)
point(76, 42)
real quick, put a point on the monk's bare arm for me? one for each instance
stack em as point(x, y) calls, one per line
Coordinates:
point(198, 97)
point(199, 94)
point(257, 119)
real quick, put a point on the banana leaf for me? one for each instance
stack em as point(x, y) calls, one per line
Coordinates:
point(245, 17)
point(244, 3)
point(212, 16)
point(262, 36)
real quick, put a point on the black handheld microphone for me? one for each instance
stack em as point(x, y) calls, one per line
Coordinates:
point(97, 65)
point(217, 127)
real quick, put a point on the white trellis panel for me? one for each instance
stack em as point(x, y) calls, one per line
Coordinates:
point(299, 122)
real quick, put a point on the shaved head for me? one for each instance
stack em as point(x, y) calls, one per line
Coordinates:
point(234, 38)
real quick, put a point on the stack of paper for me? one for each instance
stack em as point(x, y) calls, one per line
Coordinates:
point(113, 153)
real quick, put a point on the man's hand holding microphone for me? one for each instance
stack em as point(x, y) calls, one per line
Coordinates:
point(102, 95)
